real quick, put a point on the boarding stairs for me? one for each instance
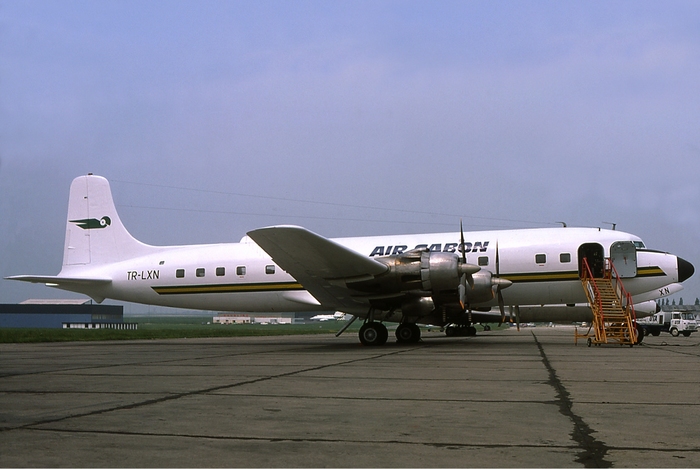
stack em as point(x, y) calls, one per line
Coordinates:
point(614, 319)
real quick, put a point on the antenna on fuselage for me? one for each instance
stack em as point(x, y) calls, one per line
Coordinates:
point(563, 224)
point(611, 223)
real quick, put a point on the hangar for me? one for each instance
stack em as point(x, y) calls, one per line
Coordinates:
point(67, 314)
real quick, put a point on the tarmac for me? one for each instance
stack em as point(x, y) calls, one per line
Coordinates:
point(500, 399)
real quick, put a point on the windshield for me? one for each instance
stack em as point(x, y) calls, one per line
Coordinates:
point(638, 244)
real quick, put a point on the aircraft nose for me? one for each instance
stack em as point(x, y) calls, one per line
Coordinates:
point(685, 270)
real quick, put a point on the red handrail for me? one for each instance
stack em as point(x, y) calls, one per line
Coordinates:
point(588, 274)
point(623, 292)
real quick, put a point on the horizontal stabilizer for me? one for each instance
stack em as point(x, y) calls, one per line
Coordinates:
point(55, 280)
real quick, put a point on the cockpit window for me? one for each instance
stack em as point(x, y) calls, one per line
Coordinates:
point(638, 244)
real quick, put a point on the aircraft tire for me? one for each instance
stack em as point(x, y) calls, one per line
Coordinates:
point(384, 334)
point(416, 332)
point(373, 333)
point(407, 333)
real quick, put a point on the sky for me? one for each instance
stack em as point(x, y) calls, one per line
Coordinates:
point(350, 118)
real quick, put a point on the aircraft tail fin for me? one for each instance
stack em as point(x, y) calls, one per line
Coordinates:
point(94, 233)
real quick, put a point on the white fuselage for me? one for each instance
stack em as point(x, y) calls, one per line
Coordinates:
point(404, 278)
point(242, 277)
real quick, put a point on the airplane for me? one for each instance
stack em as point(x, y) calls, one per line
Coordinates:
point(441, 279)
point(337, 316)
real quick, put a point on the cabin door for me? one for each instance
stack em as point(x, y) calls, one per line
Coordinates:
point(623, 255)
point(595, 255)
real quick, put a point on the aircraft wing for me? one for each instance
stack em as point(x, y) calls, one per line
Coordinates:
point(319, 264)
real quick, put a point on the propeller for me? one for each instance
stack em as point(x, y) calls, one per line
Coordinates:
point(500, 283)
point(466, 270)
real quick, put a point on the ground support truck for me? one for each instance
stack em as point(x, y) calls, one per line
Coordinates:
point(673, 322)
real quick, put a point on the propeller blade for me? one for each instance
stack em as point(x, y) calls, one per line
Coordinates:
point(501, 306)
point(466, 269)
point(463, 278)
point(498, 262)
point(461, 238)
point(500, 283)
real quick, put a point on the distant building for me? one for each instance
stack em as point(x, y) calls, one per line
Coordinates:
point(67, 314)
point(248, 318)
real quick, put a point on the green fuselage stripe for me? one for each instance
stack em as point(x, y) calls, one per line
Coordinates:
point(227, 288)
point(571, 275)
point(531, 277)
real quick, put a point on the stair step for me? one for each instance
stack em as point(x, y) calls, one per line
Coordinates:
point(611, 321)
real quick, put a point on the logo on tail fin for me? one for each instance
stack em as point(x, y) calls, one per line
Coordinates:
point(90, 223)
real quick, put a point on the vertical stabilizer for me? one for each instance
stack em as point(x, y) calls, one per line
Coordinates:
point(94, 232)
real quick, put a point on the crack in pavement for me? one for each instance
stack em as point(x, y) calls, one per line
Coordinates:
point(592, 452)
point(135, 405)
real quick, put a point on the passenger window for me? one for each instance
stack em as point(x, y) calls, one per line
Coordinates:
point(199, 272)
point(180, 273)
point(483, 260)
point(269, 269)
point(540, 258)
point(564, 257)
point(240, 270)
point(220, 271)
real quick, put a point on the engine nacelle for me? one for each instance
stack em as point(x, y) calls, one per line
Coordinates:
point(483, 290)
point(422, 271)
point(439, 271)
point(431, 280)
point(418, 307)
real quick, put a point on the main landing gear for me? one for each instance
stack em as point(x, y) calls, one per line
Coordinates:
point(407, 333)
point(460, 331)
point(373, 333)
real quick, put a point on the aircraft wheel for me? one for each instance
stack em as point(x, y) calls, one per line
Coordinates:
point(417, 332)
point(487, 327)
point(450, 331)
point(471, 330)
point(407, 333)
point(383, 334)
point(373, 333)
